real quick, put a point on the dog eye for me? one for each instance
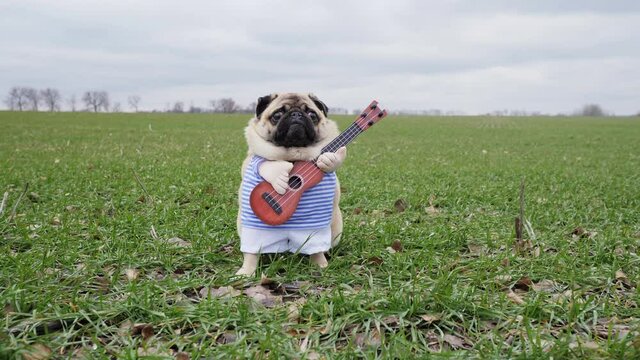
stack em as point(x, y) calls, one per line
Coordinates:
point(312, 115)
point(276, 116)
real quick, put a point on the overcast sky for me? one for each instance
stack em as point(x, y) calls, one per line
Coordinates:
point(471, 56)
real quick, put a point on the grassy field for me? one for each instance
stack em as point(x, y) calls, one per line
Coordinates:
point(90, 265)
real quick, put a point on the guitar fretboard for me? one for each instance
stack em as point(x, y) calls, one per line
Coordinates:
point(343, 139)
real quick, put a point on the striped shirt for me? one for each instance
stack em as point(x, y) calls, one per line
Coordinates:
point(314, 210)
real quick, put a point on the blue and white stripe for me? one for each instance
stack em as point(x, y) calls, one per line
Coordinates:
point(314, 209)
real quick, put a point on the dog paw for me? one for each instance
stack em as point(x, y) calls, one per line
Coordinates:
point(243, 271)
point(319, 260)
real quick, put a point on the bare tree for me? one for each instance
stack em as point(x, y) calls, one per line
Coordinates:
point(51, 98)
point(105, 100)
point(591, 110)
point(213, 104)
point(96, 100)
point(32, 97)
point(116, 107)
point(226, 105)
point(194, 109)
point(16, 99)
point(178, 107)
point(134, 101)
point(72, 102)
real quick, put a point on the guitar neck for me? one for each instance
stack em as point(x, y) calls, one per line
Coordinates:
point(344, 139)
point(371, 115)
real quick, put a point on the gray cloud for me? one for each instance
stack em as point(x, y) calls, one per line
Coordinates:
point(474, 57)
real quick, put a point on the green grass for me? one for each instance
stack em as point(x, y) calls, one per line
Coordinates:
point(64, 255)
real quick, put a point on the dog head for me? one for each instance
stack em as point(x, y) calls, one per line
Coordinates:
point(291, 119)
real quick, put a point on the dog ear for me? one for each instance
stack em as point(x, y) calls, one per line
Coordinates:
point(322, 106)
point(263, 102)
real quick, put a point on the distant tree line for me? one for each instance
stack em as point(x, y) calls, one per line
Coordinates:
point(222, 105)
point(22, 98)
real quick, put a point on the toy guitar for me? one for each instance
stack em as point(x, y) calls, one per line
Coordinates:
point(275, 209)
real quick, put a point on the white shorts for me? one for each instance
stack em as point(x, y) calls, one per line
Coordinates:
point(264, 241)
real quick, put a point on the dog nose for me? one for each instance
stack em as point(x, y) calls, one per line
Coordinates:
point(295, 115)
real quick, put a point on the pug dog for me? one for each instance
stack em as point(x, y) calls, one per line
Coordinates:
point(290, 127)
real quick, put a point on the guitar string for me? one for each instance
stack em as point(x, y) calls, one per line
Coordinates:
point(310, 166)
point(307, 168)
point(313, 167)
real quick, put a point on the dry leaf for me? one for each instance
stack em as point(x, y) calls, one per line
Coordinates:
point(396, 245)
point(400, 205)
point(622, 278)
point(501, 279)
point(581, 233)
point(476, 249)
point(432, 210)
point(545, 286)
point(226, 337)
point(147, 331)
point(263, 296)
point(454, 341)
point(126, 328)
point(102, 283)
point(567, 294)
point(524, 284)
point(429, 318)
point(327, 328)
point(131, 274)
point(34, 197)
point(178, 242)
point(36, 352)
point(368, 340)
point(304, 343)
point(391, 320)
point(55, 221)
point(590, 345)
point(375, 260)
point(293, 309)
point(390, 250)
point(182, 356)
point(620, 275)
point(265, 281)
point(515, 297)
point(221, 292)
point(357, 211)
point(536, 251)
point(505, 262)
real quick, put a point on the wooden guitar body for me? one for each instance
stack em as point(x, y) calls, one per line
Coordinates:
point(275, 209)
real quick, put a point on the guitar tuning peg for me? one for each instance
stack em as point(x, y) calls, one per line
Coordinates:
point(381, 114)
point(363, 115)
point(373, 106)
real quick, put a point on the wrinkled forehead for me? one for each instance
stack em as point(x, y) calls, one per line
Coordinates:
point(290, 100)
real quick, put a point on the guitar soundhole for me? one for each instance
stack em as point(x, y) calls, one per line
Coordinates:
point(295, 182)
